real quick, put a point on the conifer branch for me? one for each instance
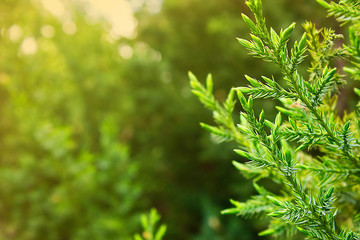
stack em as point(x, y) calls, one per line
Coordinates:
point(309, 182)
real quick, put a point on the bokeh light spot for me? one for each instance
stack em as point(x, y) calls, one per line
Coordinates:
point(126, 51)
point(118, 13)
point(48, 31)
point(29, 46)
point(4, 78)
point(56, 7)
point(15, 33)
point(69, 27)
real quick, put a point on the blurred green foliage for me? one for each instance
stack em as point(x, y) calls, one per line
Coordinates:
point(64, 173)
point(90, 140)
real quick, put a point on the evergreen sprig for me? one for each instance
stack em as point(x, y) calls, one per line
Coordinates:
point(149, 222)
point(313, 154)
point(344, 11)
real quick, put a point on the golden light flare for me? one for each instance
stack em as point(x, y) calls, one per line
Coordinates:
point(118, 13)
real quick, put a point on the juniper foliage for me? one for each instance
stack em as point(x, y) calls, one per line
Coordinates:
point(149, 222)
point(310, 150)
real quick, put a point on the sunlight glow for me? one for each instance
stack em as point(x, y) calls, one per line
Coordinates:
point(29, 46)
point(47, 31)
point(154, 6)
point(15, 33)
point(126, 51)
point(56, 7)
point(69, 27)
point(117, 12)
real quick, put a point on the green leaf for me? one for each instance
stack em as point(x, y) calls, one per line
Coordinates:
point(285, 111)
point(249, 22)
point(329, 75)
point(302, 43)
point(269, 124)
point(138, 237)
point(242, 100)
point(241, 153)
point(258, 42)
point(229, 102)
point(230, 211)
point(275, 201)
point(303, 231)
point(193, 80)
point(244, 129)
point(324, 4)
point(274, 37)
point(288, 157)
point(267, 232)
point(160, 233)
point(260, 189)
point(212, 129)
point(261, 117)
point(245, 43)
point(277, 124)
point(287, 32)
point(209, 83)
point(250, 103)
point(357, 91)
point(329, 192)
point(253, 81)
point(144, 221)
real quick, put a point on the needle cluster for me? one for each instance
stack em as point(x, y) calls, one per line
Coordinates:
point(310, 151)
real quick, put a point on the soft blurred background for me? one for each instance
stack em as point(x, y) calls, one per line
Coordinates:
point(98, 124)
